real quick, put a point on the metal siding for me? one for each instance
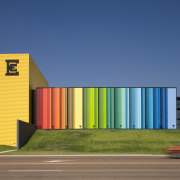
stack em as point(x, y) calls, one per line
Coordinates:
point(14, 97)
point(102, 108)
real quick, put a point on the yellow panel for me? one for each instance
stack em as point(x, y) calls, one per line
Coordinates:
point(36, 79)
point(77, 108)
point(14, 95)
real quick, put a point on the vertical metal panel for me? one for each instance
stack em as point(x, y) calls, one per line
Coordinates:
point(70, 108)
point(171, 108)
point(108, 107)
point(38, 108)
point(123, 108)
point(112, 108)
point(90, 108)
point(117, 94)
point(149, 108)
point(143, 108)
point(156, 108)
point(78, 108)
point(63, 108)
point(102, 108)
point(96, 108)
point(48, 110)
point(55, 108)
point(127, 108)
point(163, 107)
point(135, 108)
point(120, 108)
point(85, 108)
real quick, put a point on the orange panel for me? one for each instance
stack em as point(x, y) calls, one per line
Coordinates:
point(40, 108)
point(70, 108)
point(48, 126)
point(62, 108)
point(55, 108)
point(44, 105)
point(66, 121)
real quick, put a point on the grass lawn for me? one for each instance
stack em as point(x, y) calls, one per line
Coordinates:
point(6, 148)
point(100, 142)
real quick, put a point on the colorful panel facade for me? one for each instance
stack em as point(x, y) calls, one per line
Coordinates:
point(106, 108)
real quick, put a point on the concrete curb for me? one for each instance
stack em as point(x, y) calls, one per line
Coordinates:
point(86, 155)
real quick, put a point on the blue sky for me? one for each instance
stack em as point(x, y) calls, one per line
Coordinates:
point(125, 43)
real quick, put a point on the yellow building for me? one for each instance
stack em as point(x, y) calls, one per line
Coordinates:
point(19, 75)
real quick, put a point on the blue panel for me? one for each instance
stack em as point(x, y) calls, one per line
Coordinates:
point(171, 108)
point(149, 108)
point(163, 108)
point(143, 111)
point(166, 108)
point(156, 108)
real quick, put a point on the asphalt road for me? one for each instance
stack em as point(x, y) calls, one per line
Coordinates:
point(88, 168)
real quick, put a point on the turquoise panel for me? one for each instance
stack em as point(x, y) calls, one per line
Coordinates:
point(117, 95)
point(135, 108)
point(123, 107)
point(127, 108)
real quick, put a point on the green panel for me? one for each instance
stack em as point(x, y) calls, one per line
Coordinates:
point(90, 108)
point(108, 108)
point(102, 108)
point(112, 108)
point(85, 108)
point(96, 107)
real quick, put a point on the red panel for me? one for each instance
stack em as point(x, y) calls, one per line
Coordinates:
point(55, 108)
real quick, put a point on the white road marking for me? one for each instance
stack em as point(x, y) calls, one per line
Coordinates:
point(8, 151)
point(34, 170)
point(55, 161)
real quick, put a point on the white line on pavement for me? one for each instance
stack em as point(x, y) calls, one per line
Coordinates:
point(1, 152)
point(34, 170)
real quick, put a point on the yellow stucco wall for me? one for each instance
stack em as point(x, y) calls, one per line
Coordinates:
point(15, 93)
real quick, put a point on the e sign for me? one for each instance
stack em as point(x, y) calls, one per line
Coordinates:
point(12, 68)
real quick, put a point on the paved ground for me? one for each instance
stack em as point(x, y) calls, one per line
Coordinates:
point(88, 168)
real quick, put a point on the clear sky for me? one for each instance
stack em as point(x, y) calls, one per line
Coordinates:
point(125, 43)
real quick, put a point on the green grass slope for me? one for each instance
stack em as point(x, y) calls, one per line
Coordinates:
point(6, 148)
point(100, 142)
